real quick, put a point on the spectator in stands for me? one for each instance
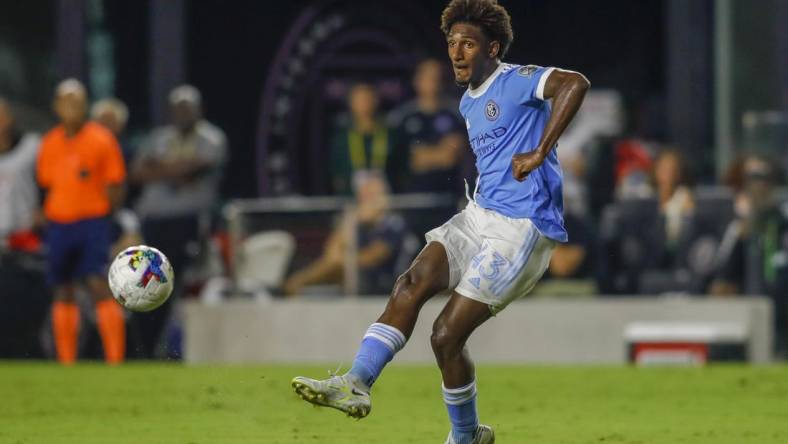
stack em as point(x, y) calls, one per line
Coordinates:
point(672, 187)
point(18, 190)
point(365, 144)
point(645, 239)
point(753, 255)
point(80, 167)
point(379, 236)
point(23, 293)
point(113, 115)
point(751, 252)
point(431, 135)
point(633, 161)
point(178, 169)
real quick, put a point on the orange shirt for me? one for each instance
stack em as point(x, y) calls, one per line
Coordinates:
point(77, 170)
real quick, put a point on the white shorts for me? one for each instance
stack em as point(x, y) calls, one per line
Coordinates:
point(493, 259)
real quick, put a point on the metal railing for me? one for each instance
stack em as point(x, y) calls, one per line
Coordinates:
point(238, 212)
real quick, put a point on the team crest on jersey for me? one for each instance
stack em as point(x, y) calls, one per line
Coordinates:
point(527, 71)
point(491, 110)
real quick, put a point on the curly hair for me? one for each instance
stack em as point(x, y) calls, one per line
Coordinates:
point(492, 18)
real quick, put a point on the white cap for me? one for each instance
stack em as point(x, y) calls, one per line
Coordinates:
point(70, 86)
point(185, 93)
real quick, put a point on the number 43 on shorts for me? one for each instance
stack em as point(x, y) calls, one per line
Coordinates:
point(490, 265)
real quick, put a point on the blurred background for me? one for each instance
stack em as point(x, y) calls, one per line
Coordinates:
point(335, 144)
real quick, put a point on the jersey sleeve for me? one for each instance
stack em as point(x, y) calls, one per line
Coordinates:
point(529, 81)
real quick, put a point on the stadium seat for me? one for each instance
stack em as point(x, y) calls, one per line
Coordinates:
point(264, 259)
point(632, 251)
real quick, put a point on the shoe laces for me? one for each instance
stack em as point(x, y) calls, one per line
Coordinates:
point(335, 373)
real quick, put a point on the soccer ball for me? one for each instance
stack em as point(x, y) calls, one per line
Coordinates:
point(141, 278)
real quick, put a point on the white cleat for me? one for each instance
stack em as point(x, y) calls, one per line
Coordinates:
point(484, 435)
point(338, 392)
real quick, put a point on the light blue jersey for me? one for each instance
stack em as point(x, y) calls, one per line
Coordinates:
point(506, 115)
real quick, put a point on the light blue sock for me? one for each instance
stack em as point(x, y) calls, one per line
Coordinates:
point(380, 344)
point(461, 403)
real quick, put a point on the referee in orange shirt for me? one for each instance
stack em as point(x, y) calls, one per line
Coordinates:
point(80, 167)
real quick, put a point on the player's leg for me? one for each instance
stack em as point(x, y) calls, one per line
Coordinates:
point(438, 267)
point(428, 275)
point(459, 318)
point(65, 311)
point(110, 320)
point(95, 250)
point(512, 258)
point(65, 323)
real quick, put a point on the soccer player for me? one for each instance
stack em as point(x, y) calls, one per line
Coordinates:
point(498, 247)
point(81, 169)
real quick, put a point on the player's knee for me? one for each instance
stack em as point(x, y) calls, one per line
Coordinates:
point(63, 294)
point(425, 279)
point(403, 299)
point(445, 342)
point(403, 283)
point(410, 289)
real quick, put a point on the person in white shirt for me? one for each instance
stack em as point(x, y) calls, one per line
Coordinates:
point(19, 201)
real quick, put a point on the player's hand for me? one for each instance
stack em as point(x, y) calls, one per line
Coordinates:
point(524, 163)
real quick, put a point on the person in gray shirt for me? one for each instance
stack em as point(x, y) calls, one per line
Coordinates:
point(178, 170)
point(180, 166)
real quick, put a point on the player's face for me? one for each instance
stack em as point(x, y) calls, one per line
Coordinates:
point(469, 52)
point(71, 108)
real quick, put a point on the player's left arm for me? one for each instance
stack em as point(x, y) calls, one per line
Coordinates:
point(567, 89)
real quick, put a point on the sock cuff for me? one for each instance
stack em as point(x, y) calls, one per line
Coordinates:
point(388, 335)
point(459, 396)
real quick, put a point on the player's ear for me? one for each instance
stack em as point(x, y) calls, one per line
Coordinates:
point(494, 49)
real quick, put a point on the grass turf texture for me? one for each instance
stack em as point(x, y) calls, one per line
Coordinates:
point(160, 403)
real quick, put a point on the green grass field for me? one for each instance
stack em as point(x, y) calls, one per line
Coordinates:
point(160, 403)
